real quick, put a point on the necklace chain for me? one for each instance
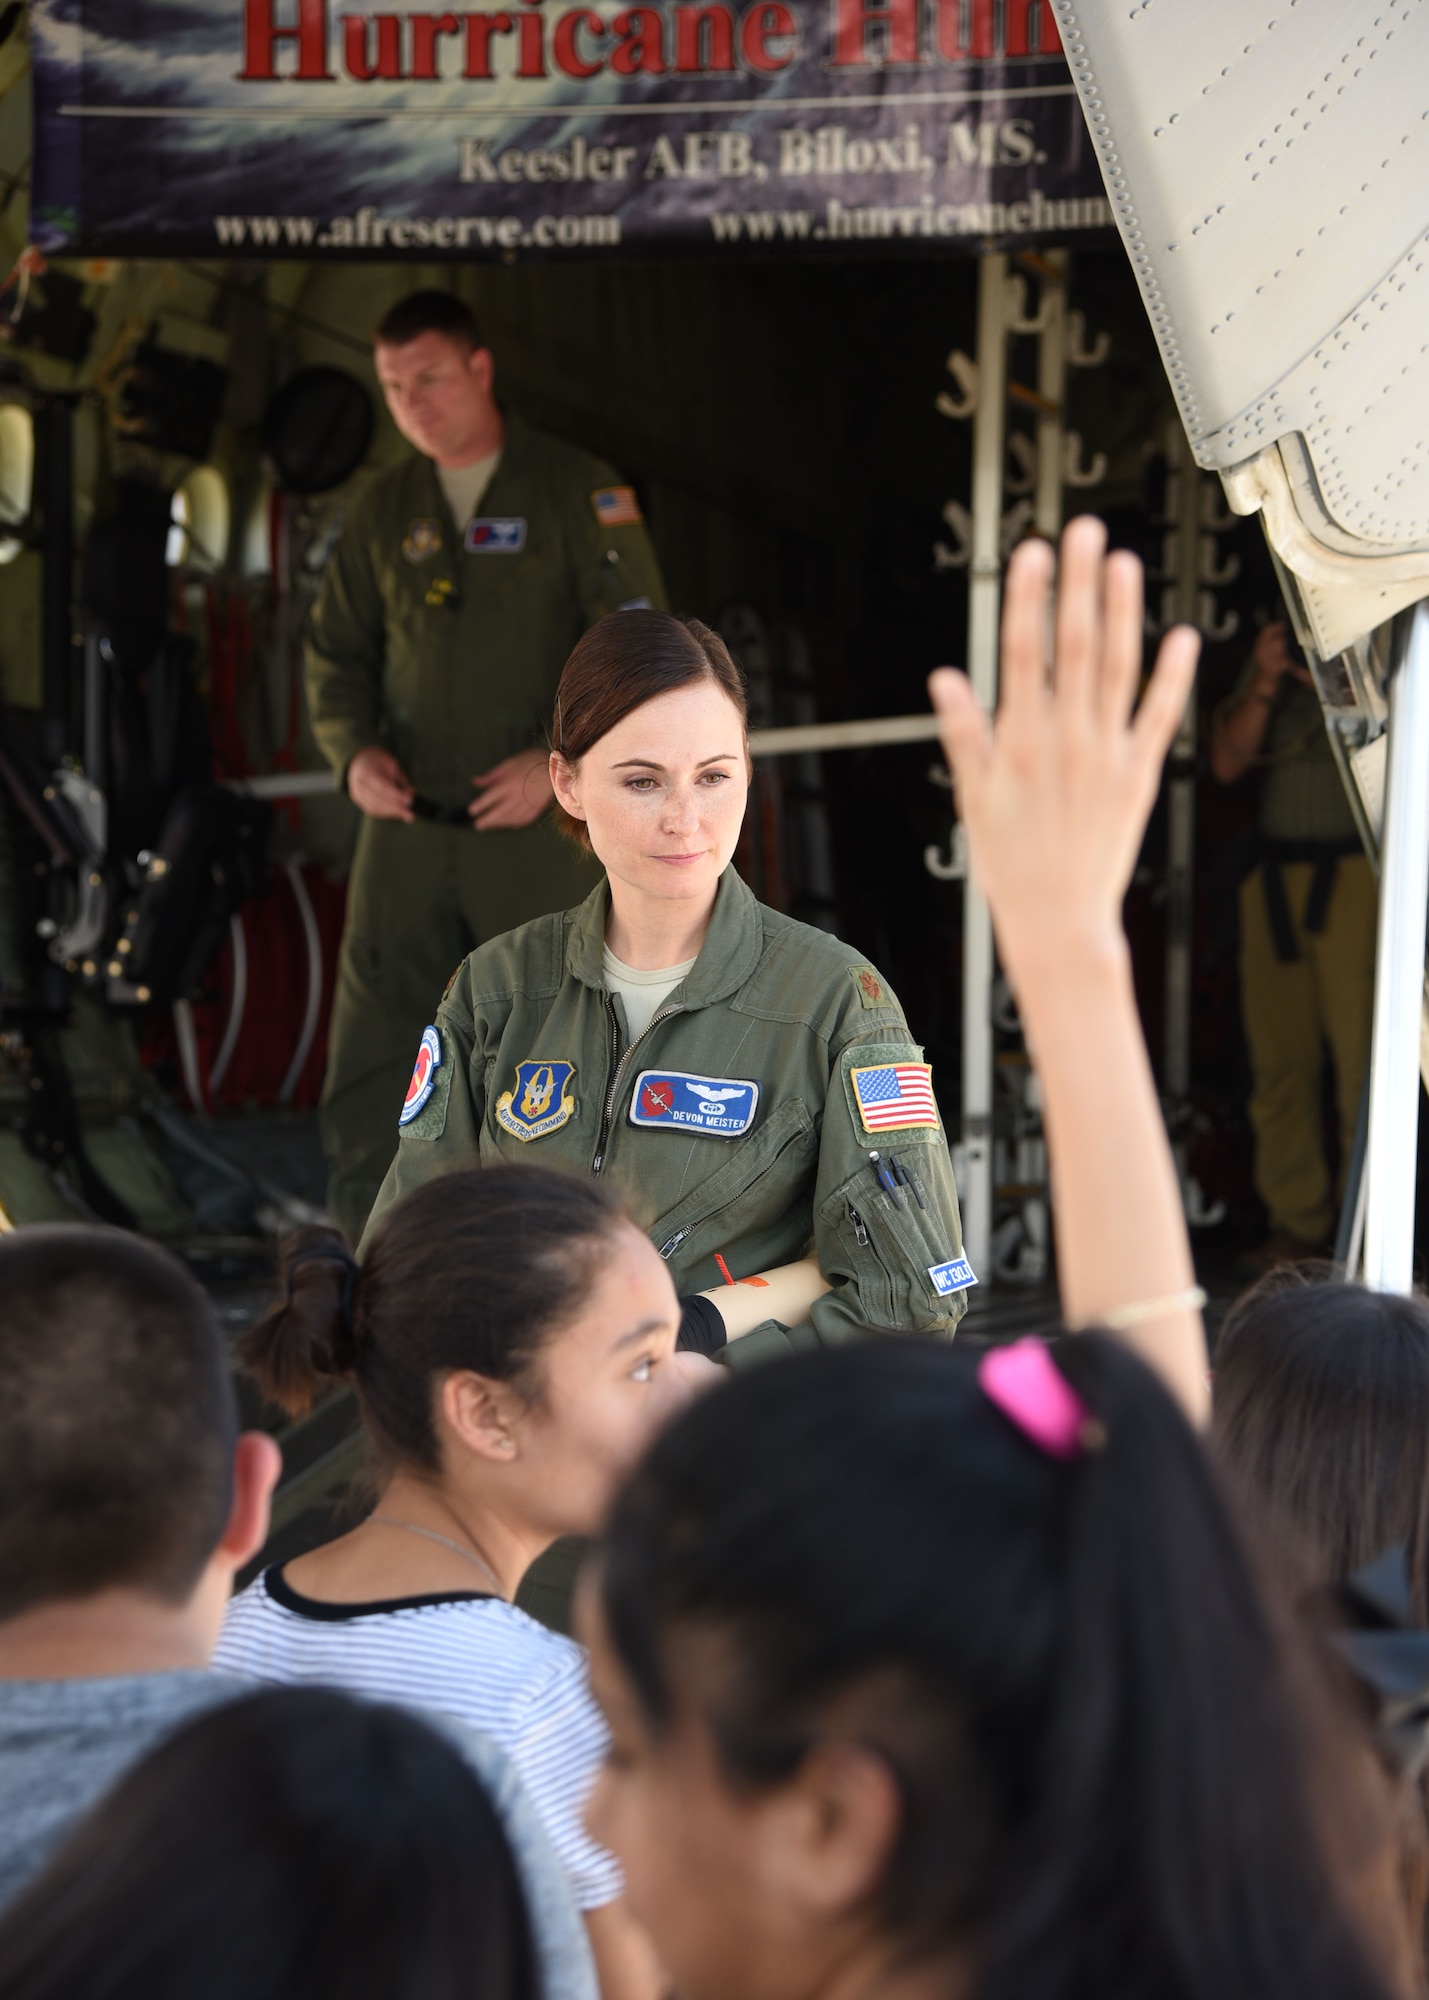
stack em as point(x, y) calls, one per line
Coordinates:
point(430, 1535)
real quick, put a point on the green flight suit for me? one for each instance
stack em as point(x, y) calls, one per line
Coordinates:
point(536, 1064)
point(445, 647)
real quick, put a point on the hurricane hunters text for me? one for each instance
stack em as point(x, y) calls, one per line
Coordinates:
point(309, 41)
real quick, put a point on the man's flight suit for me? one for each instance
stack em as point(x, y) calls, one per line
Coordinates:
point(1308, 924)
point(444, 646)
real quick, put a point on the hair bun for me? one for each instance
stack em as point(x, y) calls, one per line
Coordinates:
point(307, 1338)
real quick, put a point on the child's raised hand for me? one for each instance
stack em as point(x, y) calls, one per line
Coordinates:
point(1056, 793)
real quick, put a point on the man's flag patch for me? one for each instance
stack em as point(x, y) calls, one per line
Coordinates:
point(616, 507)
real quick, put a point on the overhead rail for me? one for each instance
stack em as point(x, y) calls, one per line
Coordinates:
point(875, 733)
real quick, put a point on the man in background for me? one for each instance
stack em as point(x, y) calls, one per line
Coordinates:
point(1307, 925)
point(461, 581)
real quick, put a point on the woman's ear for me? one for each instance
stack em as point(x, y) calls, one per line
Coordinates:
point(564, 779)
point(839, 1820)
point(480, 1414)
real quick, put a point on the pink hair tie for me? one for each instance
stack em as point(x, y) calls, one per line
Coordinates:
point(1031, 1391)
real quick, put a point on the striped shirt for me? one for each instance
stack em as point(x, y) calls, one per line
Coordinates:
point(468, 1655)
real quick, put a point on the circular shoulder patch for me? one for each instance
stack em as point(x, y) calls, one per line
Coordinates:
point(424, 1075)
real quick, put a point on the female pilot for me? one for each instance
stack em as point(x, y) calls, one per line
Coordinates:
point(747, 1083)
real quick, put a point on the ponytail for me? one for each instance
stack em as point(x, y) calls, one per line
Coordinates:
point(474, 1271)
point(1109, 1782)
point(306, 1340)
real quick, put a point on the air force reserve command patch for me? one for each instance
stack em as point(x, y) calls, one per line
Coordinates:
point(424, 1075)
point(538, 1102)
point(954, 1276)
point(722, 1107)
point(616, 507)
point(894, 1096)
point(495, 535)
point(423, 539)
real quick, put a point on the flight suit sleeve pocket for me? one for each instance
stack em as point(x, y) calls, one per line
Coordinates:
point(887, 1252)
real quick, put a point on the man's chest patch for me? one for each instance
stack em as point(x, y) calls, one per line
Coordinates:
point(538, 1102)
point(423, 539)
point(724, 1107)
point(495, 535)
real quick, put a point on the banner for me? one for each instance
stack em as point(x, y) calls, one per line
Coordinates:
point(334, 128)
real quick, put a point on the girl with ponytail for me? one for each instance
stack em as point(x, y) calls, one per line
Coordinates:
point(931, 1674)
point(510, 1335)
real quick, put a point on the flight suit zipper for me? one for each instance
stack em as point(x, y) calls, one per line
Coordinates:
point(668, 1248)
point(619, 1070)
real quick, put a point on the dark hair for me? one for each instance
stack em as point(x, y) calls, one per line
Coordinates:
point(1322, 1418)
point(292, 1846)
point(117, 1419)
point(623, 661)
point(1102, 1754)
point(428, 312)
point(475, 1270)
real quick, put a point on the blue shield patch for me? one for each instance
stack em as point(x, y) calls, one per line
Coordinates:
point(495, 535)
point(424, 1076)
point(538, 1102)
point(722, 1107)
point(954, 1276)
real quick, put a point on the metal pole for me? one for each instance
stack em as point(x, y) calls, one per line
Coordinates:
point(54, 459)
point(1399, 974)
point(984, 601)
point(1052, 388)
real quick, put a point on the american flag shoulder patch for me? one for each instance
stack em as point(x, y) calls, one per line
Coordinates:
point(616, 507)
point(894, 1095)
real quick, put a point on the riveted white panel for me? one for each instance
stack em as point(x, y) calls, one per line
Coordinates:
point(1268, 164)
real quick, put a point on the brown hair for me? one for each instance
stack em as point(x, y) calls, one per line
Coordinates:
point(1322, 1419)
point(117, 1419)
point(476, 1270)
point(623, 661)
point(429, 312)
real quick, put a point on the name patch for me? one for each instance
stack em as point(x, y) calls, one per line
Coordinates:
point(538, 1102)
point(423, 539)
point(721, 1106)
point(424, 1076)
point(495, 535)
point(616, 507)
point(954, 1276)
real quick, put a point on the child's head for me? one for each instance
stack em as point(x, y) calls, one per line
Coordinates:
point(118, 1424)
point(507, 1319)
point(1322, 1419)
point(887, 1679)
point(298, 1845)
